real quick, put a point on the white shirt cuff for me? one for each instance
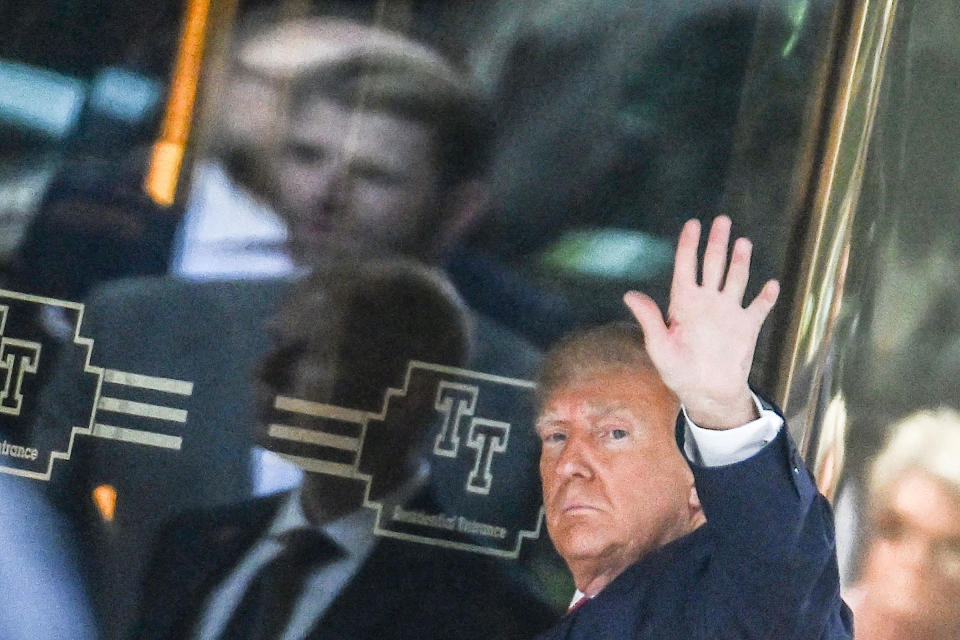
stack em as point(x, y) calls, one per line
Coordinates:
point(714, 448)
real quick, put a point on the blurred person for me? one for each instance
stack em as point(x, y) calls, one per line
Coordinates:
point(40, 576)
point(379, 152)
point(399, 173)
point(343, 338)
point(724, 536)
point(617, 120)
point(909, 582)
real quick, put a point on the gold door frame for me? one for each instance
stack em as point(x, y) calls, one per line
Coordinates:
point(835, 189)
point(203, 39)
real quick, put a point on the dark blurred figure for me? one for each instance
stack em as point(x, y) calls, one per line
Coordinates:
point(909, 583)
point(619, 119)
point(616, 116)
point(94, 223)
point(342, 338)
point(40, 580)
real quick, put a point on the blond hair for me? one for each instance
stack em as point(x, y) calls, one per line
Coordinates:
point(926, 441)
point(611, 347)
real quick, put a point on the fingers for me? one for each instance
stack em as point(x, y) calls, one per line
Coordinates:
point(648, 316)
point(715, 255)
point(685, 260)
point(739, 272)
point(763, 303)
point(715, 273)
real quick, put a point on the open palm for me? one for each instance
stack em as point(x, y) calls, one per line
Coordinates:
point(704, 350)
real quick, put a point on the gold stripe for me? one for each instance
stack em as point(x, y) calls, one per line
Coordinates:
point(136, 436)
point(309, 436)
point(167, 385)
point(827, 244)
point(319, 410)
point(167, 159)
point(321, 466)
point(141, 409)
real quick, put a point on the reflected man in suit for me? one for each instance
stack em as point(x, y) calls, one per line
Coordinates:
point(365, 143)
point(730, 541)
point(343, 338)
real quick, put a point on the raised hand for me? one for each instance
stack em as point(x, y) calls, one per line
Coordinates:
point(705, 348)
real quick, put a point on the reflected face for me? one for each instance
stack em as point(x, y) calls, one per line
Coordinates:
point(355, 180)
point(615, 485)
point(912, 567)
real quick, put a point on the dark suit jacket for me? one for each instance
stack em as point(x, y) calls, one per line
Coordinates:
point(403, 590)
point(764, 565)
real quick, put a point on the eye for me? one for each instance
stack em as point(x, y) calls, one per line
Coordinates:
point(373, 174)
point(889, 526)
point(553, 437)
point(304, 153)
point(618, 434)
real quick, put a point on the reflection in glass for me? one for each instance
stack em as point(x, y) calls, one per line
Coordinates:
point(369, 490)
point(891, 303)
point(615, 122)
point(909, 583)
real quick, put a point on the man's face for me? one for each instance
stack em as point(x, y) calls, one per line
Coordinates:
point(615, 485)
point(912, 567)
point(355, 180)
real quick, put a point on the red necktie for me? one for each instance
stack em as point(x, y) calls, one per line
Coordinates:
point(576, 605)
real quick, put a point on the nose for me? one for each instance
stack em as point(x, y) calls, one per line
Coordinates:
point(329, 187)
point(577, 458)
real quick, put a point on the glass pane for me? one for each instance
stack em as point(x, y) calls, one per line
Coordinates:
point(896, 345)
point(385, 213)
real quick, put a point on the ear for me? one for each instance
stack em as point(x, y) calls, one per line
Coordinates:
point(463, 204)
point(694, 508)
point(826, 473)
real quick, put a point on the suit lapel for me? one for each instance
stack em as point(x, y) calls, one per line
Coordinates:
point(222, 538)
point(351, 615)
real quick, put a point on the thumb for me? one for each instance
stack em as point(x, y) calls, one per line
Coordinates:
point(648, 316)
point(763, 303)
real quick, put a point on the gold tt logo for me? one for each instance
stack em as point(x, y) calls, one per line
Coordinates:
point(17, 359)
point(100, 397)
point(456, 402)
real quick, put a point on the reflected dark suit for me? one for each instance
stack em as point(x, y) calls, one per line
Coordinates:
point(211, 333)
point(402, 591)
point(764, 565)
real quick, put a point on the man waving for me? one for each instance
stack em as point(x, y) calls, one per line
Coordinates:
point(721, 537)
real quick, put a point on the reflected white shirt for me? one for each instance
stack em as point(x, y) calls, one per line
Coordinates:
point(225, 233)
point(354, 534)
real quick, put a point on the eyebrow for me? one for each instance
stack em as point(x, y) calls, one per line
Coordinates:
point(597, 411)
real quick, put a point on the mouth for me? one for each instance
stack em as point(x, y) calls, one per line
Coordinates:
point(318, 226)
point(577, 508)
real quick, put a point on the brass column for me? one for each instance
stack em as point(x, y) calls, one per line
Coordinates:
point(826, 248)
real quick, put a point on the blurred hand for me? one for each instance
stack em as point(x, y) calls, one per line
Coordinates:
point(705, 348)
